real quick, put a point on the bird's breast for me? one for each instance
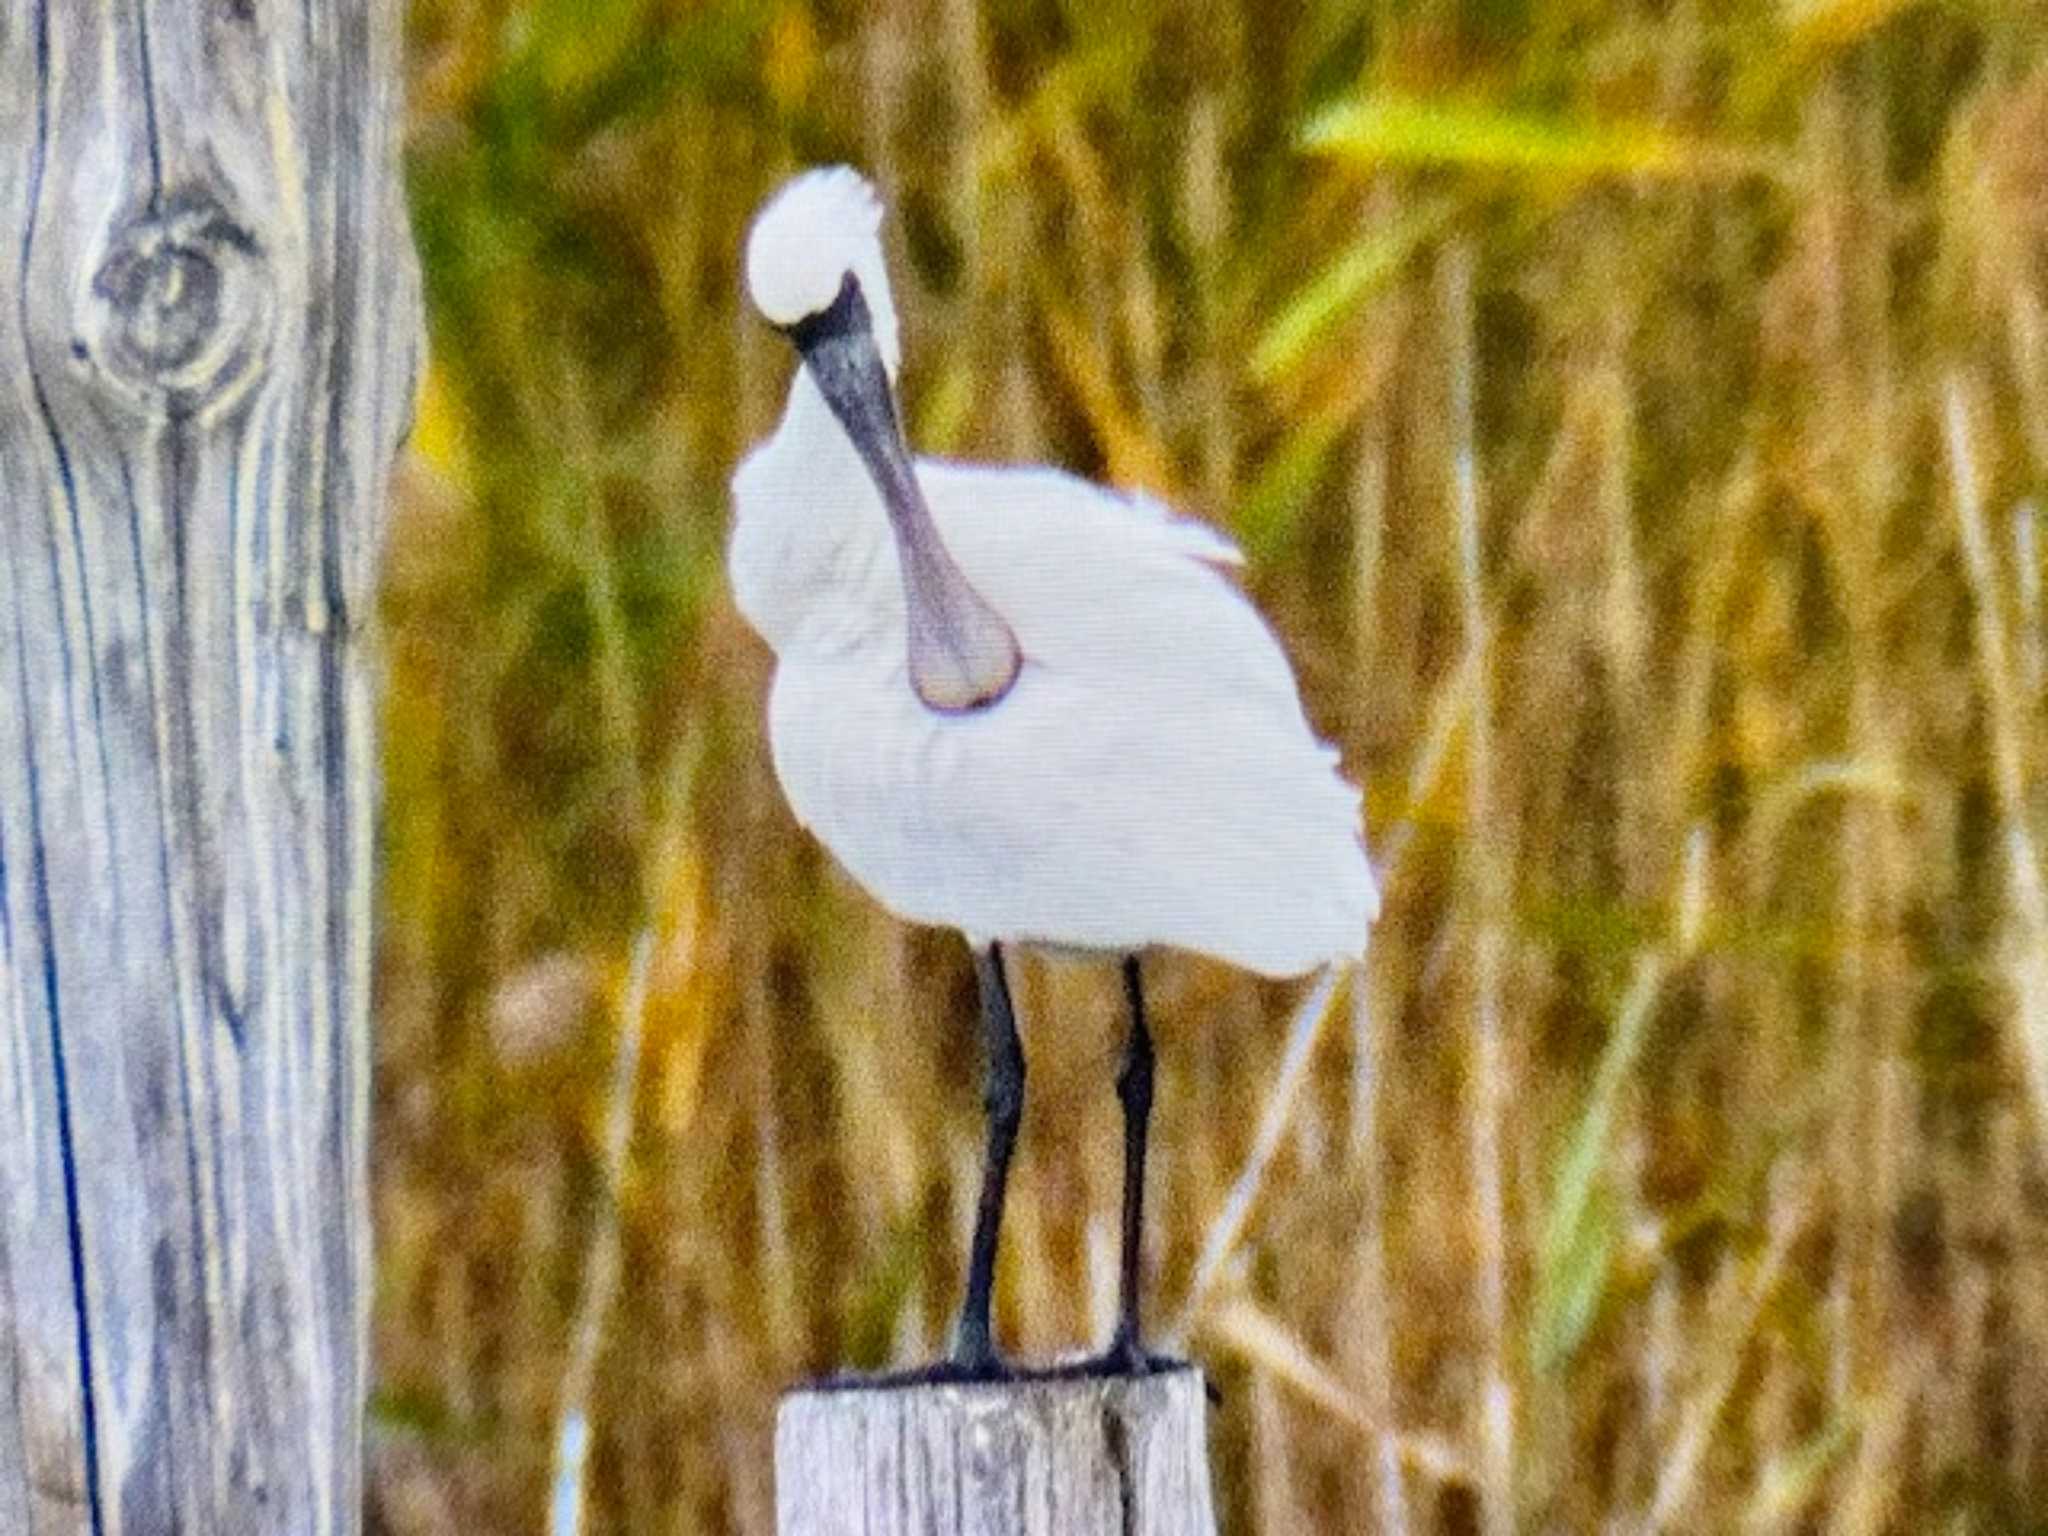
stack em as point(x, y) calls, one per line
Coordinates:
point(812, 568)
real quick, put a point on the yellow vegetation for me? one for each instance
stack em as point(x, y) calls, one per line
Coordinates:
point(1637, 421)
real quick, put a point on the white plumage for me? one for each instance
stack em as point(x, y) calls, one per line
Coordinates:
point(1148, 778)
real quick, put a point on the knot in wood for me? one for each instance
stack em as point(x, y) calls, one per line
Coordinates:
point(180, 308)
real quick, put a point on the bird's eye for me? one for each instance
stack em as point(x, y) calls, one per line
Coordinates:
point(845, 315)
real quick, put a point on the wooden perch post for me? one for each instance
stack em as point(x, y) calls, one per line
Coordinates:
point(1124, 1457)
point(208, 333)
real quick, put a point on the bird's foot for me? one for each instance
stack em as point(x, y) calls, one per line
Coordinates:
point(1124, 1360)
point(967, 1366)
point(1126, 1357)
point(956, 1369)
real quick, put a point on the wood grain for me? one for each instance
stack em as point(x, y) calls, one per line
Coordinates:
point(1114, 1457)
point(208, 335)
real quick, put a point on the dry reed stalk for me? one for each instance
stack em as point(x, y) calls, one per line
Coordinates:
point(1008, 240)
point(2027, 329)
point(1275, 1481)
point(1220, 1241)
point(1731, 1337)
point(1657, 1362)
point(1776, 1493)
point(963, 41)
point(1369, 1315)
point(601, 1264)
point(2022, 1396)
point(1369, 511)
point(1487, 896)
point(2026, 961)
point(781, 1302)
point(1101, 1258)
point(1035, 1283)
point(1449, 709)
point(1949, 1437)
point(2026, 561)
point(1262, 1339)
point(884, 1149)
point(1487, 1100)
point(1204, 195)
point(884, 68)
point(1623, 621)
point(1870, 1499)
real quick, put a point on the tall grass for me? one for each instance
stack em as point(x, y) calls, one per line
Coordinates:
point(1637, 421)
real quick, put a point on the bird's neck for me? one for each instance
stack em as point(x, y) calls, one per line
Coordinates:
point(814, 563)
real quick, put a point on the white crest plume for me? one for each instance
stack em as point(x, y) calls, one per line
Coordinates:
point(819, 226)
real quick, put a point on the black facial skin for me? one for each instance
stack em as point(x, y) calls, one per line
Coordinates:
point(963, 657)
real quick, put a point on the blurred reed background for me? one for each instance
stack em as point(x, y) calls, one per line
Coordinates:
point(1636, 417)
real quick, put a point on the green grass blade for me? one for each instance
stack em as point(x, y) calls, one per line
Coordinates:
point(1473, 135)
point(1336, 293)
point(1572, 1261)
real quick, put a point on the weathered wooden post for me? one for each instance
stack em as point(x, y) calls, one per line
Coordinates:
point(208, 330)
point(1030, 1458)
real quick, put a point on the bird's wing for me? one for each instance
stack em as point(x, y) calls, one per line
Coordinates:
point(1151, 779)
point(1036, 500)
point(1105, 582)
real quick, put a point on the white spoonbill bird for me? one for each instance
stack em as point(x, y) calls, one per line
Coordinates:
point(1018, 704)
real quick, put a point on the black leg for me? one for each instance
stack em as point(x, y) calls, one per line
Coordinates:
point(1134, 1089)
point(974, 1347)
